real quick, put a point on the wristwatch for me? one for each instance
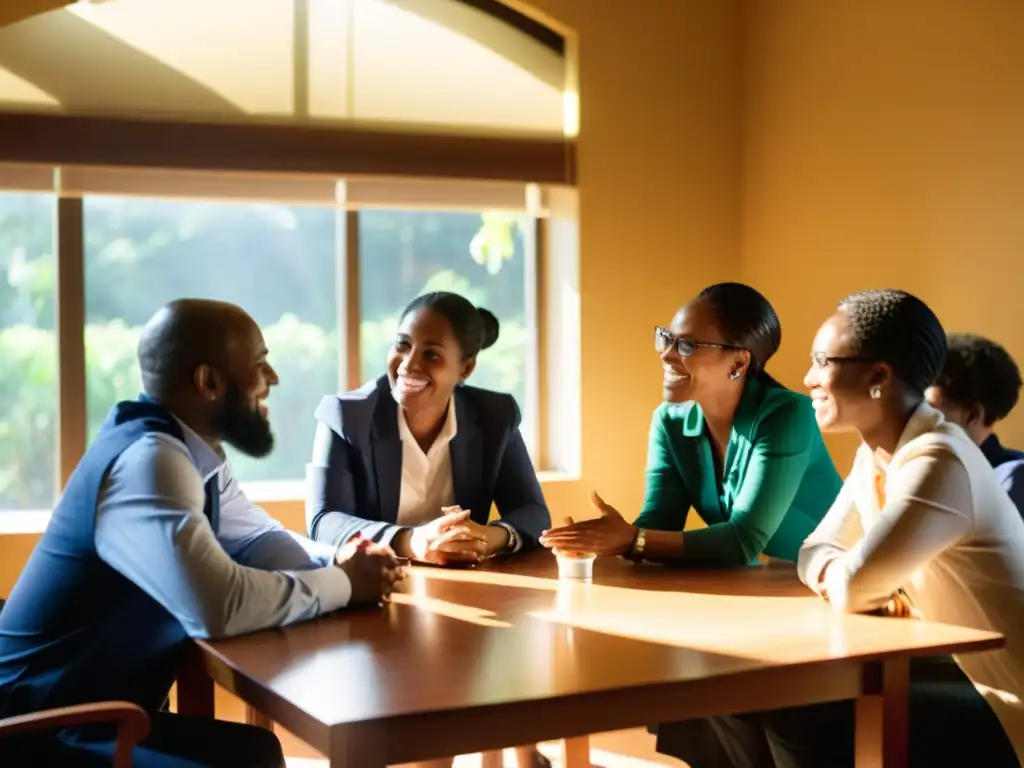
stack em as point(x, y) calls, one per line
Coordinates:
point(636, 552)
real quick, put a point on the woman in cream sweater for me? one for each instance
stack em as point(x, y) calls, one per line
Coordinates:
point(921, 527)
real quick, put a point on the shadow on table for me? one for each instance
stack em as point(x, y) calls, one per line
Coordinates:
point(477, 641)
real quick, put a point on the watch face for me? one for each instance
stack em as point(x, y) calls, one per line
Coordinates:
point(641, 540)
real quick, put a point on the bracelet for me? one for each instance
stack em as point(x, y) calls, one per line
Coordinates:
point(514, 542)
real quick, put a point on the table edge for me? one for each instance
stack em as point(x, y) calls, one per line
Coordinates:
point(215, 662)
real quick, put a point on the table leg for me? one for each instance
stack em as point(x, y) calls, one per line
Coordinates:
point(254, 717)
point(362, 749)
point(883, 718)
point(195, 687)
point(576, 752)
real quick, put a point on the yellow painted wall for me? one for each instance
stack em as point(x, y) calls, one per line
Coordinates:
point(660, 210)
point(14, 552)
point(659, 180)
point(808, 148)
point(883, 148)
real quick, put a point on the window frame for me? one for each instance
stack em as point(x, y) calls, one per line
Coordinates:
point(525, 37)
point(552, 400)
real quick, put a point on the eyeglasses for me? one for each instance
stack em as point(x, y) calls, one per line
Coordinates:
point(664, 340)
point(822, 360)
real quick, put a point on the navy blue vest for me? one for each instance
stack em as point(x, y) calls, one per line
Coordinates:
point(74, 630)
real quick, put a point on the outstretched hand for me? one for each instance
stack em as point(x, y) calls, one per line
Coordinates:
point(608, 534)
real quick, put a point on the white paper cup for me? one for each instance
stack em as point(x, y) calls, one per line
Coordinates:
point(575, 568)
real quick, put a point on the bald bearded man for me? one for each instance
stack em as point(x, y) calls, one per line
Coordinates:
point(153, 543)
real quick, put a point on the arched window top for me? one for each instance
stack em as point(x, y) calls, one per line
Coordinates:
point(434, 65)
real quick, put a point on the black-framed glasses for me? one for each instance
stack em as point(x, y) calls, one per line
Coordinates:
point(664, 340)
point(822, 360)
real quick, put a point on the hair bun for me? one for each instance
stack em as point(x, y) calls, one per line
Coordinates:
point(491, 327)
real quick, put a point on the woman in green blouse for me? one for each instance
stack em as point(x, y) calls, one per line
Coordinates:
point(729, 441)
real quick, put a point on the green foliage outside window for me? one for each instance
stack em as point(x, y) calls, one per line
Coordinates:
point(277, 262)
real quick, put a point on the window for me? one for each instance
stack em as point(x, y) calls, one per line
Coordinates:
point(280, 263)
point(367, 62)
point(28, 352)
point(483, 257)
point(276, 261)
point(143, 238)
point(300, 225)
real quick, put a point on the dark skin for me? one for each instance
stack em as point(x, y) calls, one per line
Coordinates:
point(703, 377)
point(970, 416)
point(841, 392)
point(193, 355)
point(424, 365)
point(197, 396)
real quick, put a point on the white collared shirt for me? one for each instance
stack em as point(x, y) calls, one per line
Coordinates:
point(426, 477)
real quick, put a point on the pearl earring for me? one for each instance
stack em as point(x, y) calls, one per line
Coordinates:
point(875, 392)
point(734, 375)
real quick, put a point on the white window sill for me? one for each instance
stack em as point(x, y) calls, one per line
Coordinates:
point(17, 522)
point(20, 522)
point(549, 476)
point(275, 491)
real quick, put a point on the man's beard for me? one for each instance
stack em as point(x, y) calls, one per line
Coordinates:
point(243, 427)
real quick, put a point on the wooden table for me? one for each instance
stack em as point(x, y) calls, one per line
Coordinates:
point(473, 660)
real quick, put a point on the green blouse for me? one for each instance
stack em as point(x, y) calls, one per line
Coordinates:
point(778, 480)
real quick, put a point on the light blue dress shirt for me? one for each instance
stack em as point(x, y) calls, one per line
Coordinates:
point(251, 574)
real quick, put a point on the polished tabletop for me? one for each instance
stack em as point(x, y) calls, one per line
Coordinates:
point(460, 640)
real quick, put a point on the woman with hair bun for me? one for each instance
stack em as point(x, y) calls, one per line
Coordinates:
point(416, 458)
point(730, 442)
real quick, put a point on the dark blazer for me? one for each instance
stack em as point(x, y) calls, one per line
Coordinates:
point(1009, 466)
point(358, 489)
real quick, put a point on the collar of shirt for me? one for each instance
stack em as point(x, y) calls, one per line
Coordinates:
point(448, 430)
point(873, 468)
point(742, 421)
point(208, 461)
point(241, 521)
point(923, 419)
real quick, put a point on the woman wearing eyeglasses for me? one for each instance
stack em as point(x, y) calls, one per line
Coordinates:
point(733, 444)
point(729, 441)
point(922, 529)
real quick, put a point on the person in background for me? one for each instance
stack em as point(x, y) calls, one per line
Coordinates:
point(417, 458)
point(729, 441)
point(153, 543)
point(979, 385)
point(921, 529)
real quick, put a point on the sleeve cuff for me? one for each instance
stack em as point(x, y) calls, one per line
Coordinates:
point(836, 583)
point(814, 568)
point(388, 534)
point(331, 586)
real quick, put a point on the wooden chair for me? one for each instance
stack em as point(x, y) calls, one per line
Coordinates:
point(132, 723)
point(131, 720)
